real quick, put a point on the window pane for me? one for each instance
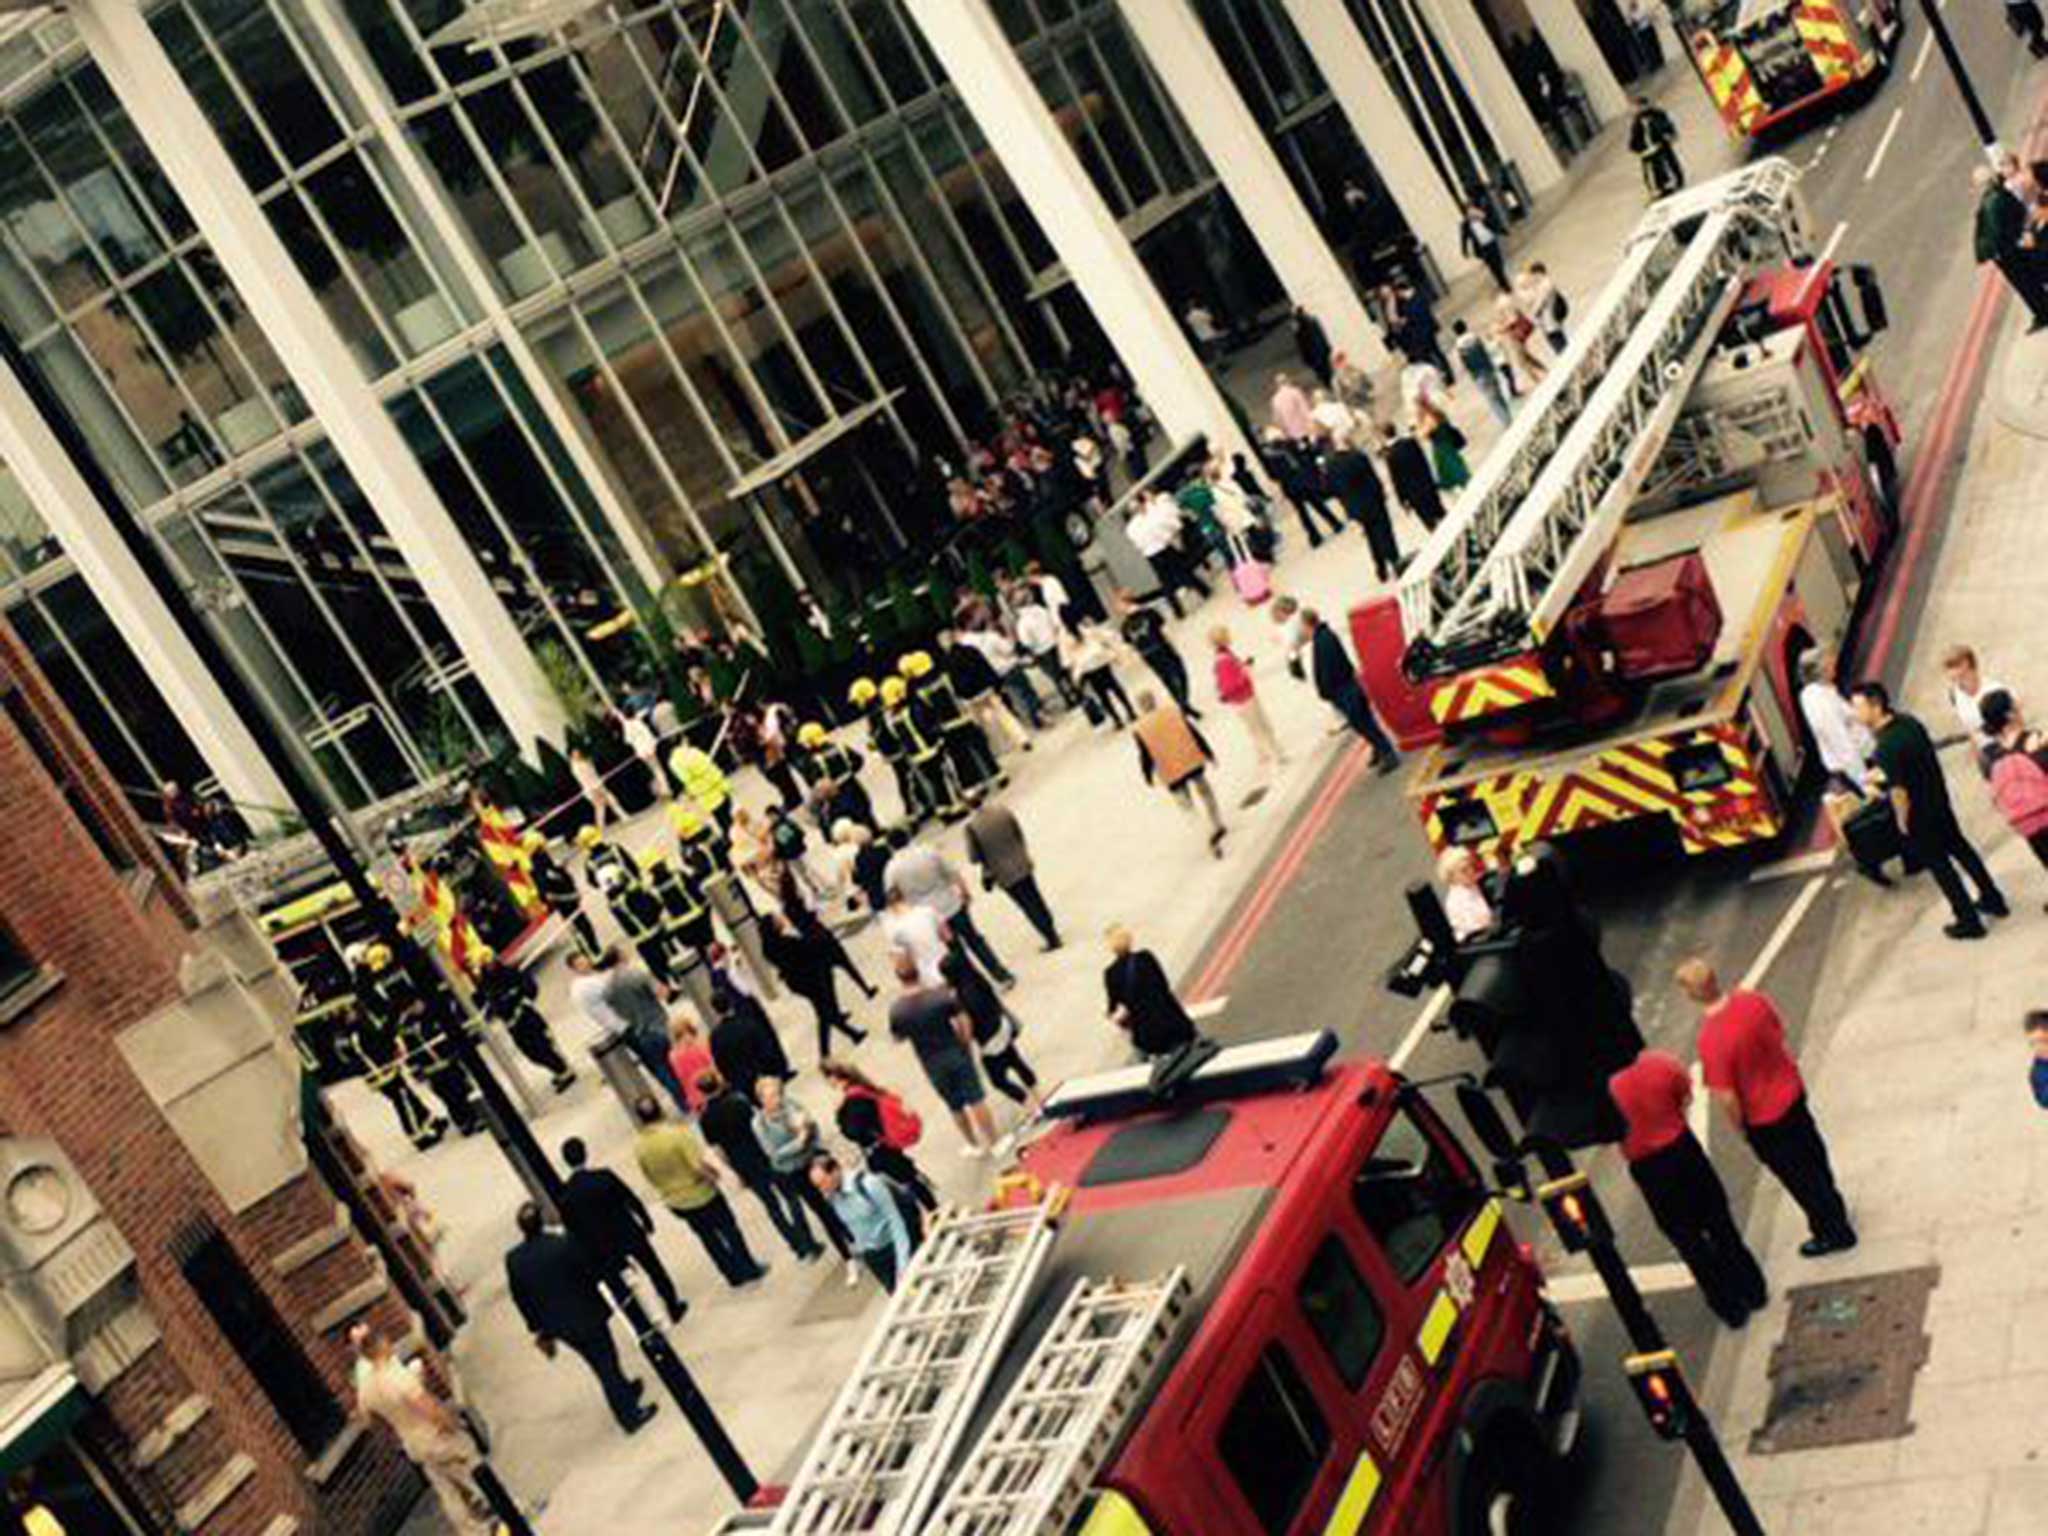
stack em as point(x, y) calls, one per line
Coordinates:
point(1274, 1441)
point(216, 97)
point(380, 253)
point(75, 159)
point(114, 444)
point(41, 227)
point(317, 263)
point(1412, 1197)
point(1341, 1312)
point(521, 157)
point(556, 94)
point(287, 98)
point(476, 200)
point(140, 164)
point(390, 49)
point(234, 407)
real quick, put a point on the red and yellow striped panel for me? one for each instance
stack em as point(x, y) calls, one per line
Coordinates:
point(1491, 690)
point(1825, 31)
point(1728, 82)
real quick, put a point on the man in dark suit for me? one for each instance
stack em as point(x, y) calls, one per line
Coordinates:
point(613, 1225)
point(1336, 681)
point(745, 1047)
point(1141, 1000)
point(555, 1287)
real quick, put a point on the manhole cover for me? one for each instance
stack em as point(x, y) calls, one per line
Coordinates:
point(1844, 1371)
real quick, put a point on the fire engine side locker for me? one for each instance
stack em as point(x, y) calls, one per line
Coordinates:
point(1777, 575)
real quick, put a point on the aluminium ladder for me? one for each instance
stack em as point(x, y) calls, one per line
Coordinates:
point(1036, 1463)
point(898, 1419)
point(1501, 569)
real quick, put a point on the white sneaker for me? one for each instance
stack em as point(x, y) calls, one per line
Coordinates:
point(852, 1273)
point(969, 1150)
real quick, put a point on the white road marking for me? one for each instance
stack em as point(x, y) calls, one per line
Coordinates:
point(1584, 1284)
point(1834, 242)
point(1208, 1007)
point(1416, 1031)
point(1699, 1114)
point(1920, 59)
point(1877, 157)
point(1782, 935)
point(1801, 864)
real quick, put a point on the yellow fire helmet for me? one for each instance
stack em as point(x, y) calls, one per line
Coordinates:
point(894, 691)
point(915, 665)
point(810, 734)
point(862, 693)
point(652, 860)
point(534, 842)
point(686, 819)
point(587, 835)
point(377, 956)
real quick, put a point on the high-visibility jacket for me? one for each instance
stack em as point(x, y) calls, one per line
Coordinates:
point(679, 899)
point(911, 742)
point(701, 778)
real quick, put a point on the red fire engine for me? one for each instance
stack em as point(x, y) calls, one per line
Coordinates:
point(1286, 1302)
point(1607, 629)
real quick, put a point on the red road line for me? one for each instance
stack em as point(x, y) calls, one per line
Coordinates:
point(1244, 927)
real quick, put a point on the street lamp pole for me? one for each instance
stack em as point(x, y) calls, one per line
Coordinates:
point(342, 843)
point(1952, 57)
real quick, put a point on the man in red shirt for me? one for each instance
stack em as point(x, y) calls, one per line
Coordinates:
point(1680, 1186)
point(1751, 1073)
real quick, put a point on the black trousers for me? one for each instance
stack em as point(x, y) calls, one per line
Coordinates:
point(451, 1085)
point(1176, 571)
point(414, 1118)
point(1109, 696)
point(1173, 672)
point(1009, 1073)
point(1690, 1206)
point(1356, 709)
point(824, 1001)
point(536, 1042)
point(1791, 1147)
point(1031, 903)
point(602, 1356)
point(642, 1255)
point(895, 1163)
point(1497, 264)
point(1942, 846)
point(785, 1212)
point(976, 945)
point(973, 760)
point(1370, 513)
point(881, 1263)
point(719, 1231)
point(782, 774)
point(799, 1188)
point(2022, 270)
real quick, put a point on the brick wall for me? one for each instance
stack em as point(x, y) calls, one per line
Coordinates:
point(117, 943)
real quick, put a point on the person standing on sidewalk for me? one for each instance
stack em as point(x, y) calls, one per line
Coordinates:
point(1092, 660)
point(1475, 357)
point(613, 1225)
point(995, 841)
point(1336, 680)
point(1685, 1195)
point(1142, 1002)
point(2000, 237)
point(1235, 688)
point(931, 1021)
point(431, 1434)
point(2016, 763)
point(627, 1005)
point(2036, 1027)
point(1750, 1071)
point(1544, 305)
point(866, 1206)
point(1845, 746)
point(1144, 631)
point(1479, 238)
point(686, 1179)
point(1172, 754)
point(555, 1287)
point(1653, 140)
point(1906, 765)
point(1312, 344)
point(1967, 686)
point(727, 1124)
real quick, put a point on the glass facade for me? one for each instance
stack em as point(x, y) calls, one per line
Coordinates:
point(710, 285)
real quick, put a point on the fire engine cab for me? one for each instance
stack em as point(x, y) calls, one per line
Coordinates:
point(1608, 627)
point(1283, 1302)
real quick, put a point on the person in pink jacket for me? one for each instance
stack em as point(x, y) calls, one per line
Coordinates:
point(1234, 687)
point(2013, 762)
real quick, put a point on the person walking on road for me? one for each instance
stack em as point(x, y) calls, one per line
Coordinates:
point(555, 1288)
point(686, 1178)
point(1336, 680)
point(1685, 1195)
point(1141, 1001)
point(727, 1124)
point(431, 1434)
point(995, 842)
point(1750, 1071)
point(1653, 140)
point(1172, 754)
point(613, 1225)
point(1479, 238)
point(1910, 772)
point(931, 1021)
point(1235, 688)
point(2000, 239)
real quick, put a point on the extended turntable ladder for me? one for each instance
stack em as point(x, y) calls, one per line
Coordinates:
point(1498, 574)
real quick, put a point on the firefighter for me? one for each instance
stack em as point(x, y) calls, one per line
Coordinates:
point(832, 770)
point(599, 855)
point(640, 916)
point(409, 1016)
point(862, 696)
point(558, 893)
point(704, 782)
point(1652, 138)
point(510, 995)
point(917, 739)
point(380, 994)
point(686, 918)
point(968, 753)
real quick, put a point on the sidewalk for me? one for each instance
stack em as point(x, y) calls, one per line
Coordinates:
point(1918, 1072)
point(1107, 848)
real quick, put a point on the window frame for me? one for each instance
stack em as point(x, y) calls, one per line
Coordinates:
point(1412, 1112)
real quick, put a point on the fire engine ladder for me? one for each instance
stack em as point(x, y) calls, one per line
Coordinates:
point(898, 1419)
point(1037, 1461)
point(1643, 339)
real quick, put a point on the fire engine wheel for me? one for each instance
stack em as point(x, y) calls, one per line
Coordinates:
point(1515, 1485)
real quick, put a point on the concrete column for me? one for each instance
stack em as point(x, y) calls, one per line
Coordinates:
point(1502, 108)
point(1185, 59)
point(976, 56)
point(66, 503)
point(1564, 27)
point(1375, 115)
point(313, 352)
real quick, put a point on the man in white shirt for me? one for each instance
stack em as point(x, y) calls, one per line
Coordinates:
point(1154, 531)
point(1000, 651)
point(926, 879)
point(1967, 688)
point(1845, 743)
point(1038, 633)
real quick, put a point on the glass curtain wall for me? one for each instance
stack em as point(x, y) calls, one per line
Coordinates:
point(1432, 97)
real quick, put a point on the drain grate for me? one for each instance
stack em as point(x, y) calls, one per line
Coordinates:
point(1844, 1371)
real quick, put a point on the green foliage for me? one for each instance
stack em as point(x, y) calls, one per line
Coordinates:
point(569, 684)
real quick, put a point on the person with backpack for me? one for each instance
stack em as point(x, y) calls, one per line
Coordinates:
point(866, 1204)
point(876, 1120)
point(2014, 761)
